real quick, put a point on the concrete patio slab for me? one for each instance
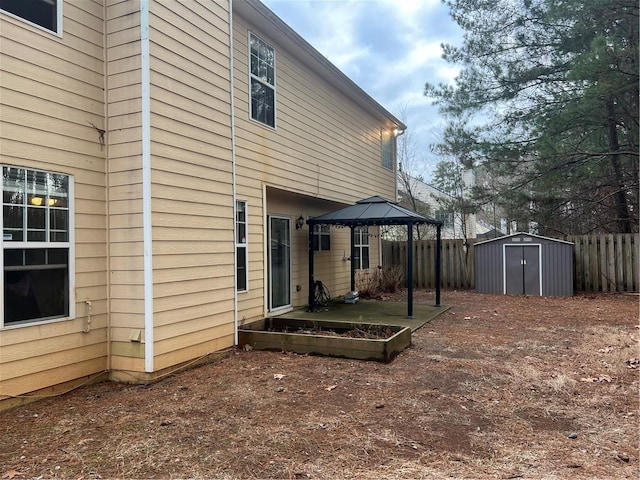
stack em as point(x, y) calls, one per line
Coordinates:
point(371, 311)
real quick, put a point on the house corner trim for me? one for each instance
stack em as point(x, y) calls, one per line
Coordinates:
point(146, 187)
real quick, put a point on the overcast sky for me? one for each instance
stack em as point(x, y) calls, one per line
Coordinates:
point(390, 48)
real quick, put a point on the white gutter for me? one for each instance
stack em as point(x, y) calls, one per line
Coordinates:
point(233, 178)
point(146, 187)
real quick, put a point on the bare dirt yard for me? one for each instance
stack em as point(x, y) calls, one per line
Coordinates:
point(496, 387)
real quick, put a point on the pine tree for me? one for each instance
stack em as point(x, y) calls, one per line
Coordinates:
point(547, 101)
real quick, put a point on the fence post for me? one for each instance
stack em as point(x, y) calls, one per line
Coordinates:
point(629, 262)
point(438, 264)
point(619, 258)
point(577, 263)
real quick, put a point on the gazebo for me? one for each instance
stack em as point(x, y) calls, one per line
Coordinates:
point(376, 211)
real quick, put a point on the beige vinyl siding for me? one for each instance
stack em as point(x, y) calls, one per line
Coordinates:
point(329, 266)
point(57, 93)
point(124, 91)
point(331, 269)
point(325, 150)
point(52, 91)
point(191, 180)
point(252, 302)
point(321, 136)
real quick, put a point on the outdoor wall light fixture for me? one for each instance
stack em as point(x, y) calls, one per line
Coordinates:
point(299, 222)
point(397, 132)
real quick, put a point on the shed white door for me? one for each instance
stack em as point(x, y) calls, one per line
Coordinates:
point(522, 270)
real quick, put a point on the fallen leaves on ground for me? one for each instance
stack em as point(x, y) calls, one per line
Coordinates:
point(477, 395)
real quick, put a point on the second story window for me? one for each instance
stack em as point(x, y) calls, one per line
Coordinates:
point(45, 14)
point(386, 140)
point(263, 81)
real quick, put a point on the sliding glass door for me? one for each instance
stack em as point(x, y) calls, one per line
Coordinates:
point(279, 262)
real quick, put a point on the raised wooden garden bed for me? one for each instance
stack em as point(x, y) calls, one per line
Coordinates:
point(337, 339)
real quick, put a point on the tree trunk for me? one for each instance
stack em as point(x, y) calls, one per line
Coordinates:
point(620, 198)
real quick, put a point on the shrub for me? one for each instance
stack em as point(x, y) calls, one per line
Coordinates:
point(381, 280)
point(391, 279)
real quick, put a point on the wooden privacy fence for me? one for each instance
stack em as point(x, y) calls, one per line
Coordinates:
point(605, 263)
point(601, 263)
point(458, 269)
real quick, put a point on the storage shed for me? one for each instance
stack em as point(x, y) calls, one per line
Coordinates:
point(524, 264)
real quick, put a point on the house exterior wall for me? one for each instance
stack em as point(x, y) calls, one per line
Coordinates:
point(191, 202)
point(191, 180)
point(51, 98)
point(134, 101)
point(333, 267)
point(325, 153)
point(124, 174)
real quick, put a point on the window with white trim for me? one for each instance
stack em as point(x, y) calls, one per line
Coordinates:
point(386, 142)
point(321, 238)
point(262, 81)
point(46, 14)
point(37, 242)
point(241, 246)
point(361, 248)
point(446, 217)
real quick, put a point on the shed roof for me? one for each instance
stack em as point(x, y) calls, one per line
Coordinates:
point(372, 211)
point(523, 234)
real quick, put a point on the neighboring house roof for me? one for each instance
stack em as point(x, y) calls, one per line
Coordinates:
point(476, 224)
point(258, 13)
point(372, 211)
point(421, 190)
point(489, 234)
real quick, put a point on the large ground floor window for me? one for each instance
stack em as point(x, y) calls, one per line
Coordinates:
point(361, 244)
point(37, 241)
point(46, 14)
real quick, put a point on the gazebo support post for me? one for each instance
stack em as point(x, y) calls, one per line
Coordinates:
point(312, 297)
point(353, 265)
point(409, 270)
point(438, 263)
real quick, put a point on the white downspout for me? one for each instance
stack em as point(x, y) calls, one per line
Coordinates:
point(146, 187)
point(233, 177)
point(107, 184)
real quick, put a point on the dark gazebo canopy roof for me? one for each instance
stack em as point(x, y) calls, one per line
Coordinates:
point(376, 211)
point(372, 211)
